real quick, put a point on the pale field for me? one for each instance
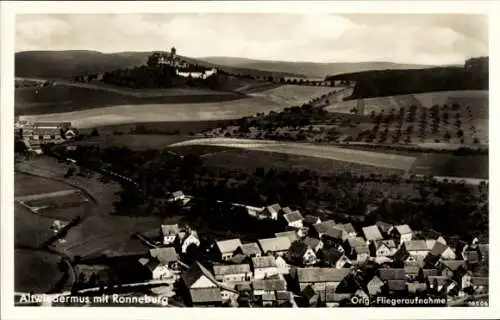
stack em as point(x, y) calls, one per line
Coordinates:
point(271, 100)
point(384, 160)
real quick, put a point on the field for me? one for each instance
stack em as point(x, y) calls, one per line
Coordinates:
point(249, 160)
point(35, 271)
point(68, 98)
point(133, 141)
point(383, 160)
point(461, 117)
point(25, 184)
point(475, 166)
point(274, 99)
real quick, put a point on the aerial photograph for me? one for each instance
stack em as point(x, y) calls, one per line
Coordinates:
point(247, 160)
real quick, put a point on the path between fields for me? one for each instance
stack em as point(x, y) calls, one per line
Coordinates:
point(384, 160)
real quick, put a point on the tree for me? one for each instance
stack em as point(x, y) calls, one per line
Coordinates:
point(94, 133)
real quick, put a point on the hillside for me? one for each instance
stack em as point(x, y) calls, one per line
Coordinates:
point(310, 69)
point(473, 75)
point(70, 63)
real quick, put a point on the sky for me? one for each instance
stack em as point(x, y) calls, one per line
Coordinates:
point(420, 39)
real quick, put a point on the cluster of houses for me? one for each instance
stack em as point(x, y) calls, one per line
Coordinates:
point(34, 134)
point(319, 263)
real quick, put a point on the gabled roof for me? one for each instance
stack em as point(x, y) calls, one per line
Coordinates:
point(356, 242)
point(484, 250)
point(372, 233)
point(438, 249)
point(429, 272)
point(195, 271)
point(310, 219)
point(283, 295)
point(430, 243)
point(269, 296)
point(292, 235)
point(271, 284)
point(390, 244)
point(170, 229)
point(275, 244)
point(396, 285)
point(287, 210)
point(441, 280)
point(362, 249)
point(332, 255)
point(298, 248)
point(315, 274)
point(347, 227)
point(392, 274)
point(329, 223)
point(251, 248)
point(454, 264)
point(311, 242)
point(238, 258)
point(416, 245)
point(375, 281)
point(414, 287)
point(264, 262)
point(165, 255)
point(205, 295)
point(228, 246)
point(403, 229)
point(178, 194)
point(412, 270)
point(231, 269)
point(274, 208)
point(383, 226)
point(293, 217)
point(480, 281)
point(151, 264)
point(309, 292)
point(472, 256)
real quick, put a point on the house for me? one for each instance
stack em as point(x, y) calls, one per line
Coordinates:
point(292, 235)
point(348, 228)
point(285, 299)
point(361, 253)
point(426, 273)
point(186, 239)
point(293, 220)
point(201, 285)
point(157, 270)
point(264, 267)
point(319, 278)
point(226, 248)
point(372, 233)
point(384, 227)
point(453, 269)
point(169, 233)
point(439, 252)
point(416, 288)
point(325, 231)
point(272, 211)
point(310, 296)
point(233, 273)
point(412, 272)
point(283, 266)
point(286, 210)
point(478, 285)
point(251, 249)
point(177, 196)
point(394, 279)
point(375, 286)
point(278, 245)
point(313, 243)
point(310, 220)
point(301, 254)
point(401, 232)
point(167, 256)
point(334, 258)
point(382, 248)
point(269, 285)
point(437, 282)
point(432, 242)
point(351, 243)
point(416, 247)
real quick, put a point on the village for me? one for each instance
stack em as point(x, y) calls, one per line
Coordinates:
point(315, 263)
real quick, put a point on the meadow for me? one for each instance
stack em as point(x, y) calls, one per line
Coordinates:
point(273, 99)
